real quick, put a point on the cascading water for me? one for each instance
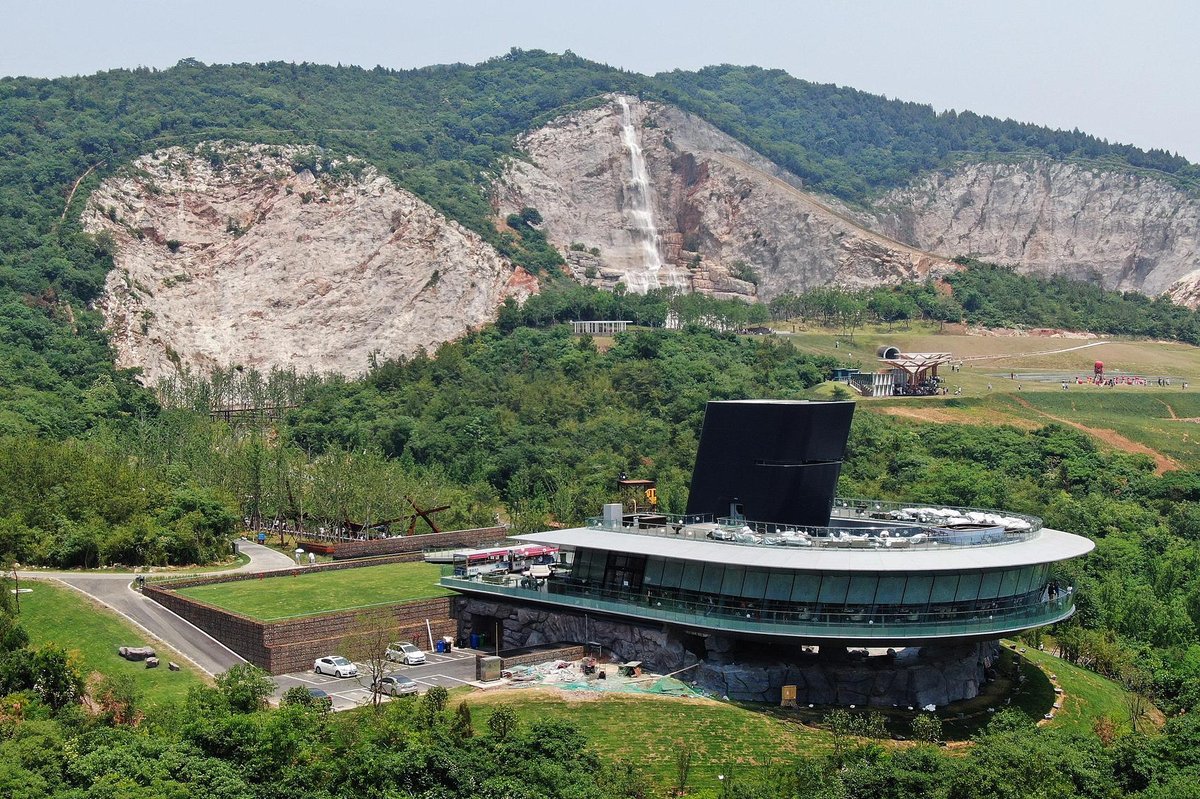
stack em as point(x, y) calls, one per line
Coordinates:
point(639, 209)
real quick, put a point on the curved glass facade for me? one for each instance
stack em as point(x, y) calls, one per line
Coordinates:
point(789, 597)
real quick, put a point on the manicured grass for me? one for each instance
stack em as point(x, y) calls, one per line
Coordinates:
point(1087, 696)
point(648, 731)
point(309, 593)
point(54, 614)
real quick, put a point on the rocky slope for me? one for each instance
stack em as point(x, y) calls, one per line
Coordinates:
point(1126, 231)
point(256, 256)
point(730, 223)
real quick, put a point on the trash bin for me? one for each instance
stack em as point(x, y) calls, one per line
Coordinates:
point(474, 640)
point(439, 647)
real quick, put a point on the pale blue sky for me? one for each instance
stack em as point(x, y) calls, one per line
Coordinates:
point(1125, 71)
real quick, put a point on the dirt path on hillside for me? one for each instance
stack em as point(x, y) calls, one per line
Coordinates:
point(1162, 463)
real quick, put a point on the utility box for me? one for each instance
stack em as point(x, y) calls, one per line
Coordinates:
point(788, 697)
point(487, 668)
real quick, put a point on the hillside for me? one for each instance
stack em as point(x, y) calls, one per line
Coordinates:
point(443, 133)
point(729, 222)
point(265, 257)
point(1123, 230)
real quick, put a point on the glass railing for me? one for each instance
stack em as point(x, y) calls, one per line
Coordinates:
point(861, 623)
point(865, 524)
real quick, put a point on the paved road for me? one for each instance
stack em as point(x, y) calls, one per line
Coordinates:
point(115, 591)
point(448, 670)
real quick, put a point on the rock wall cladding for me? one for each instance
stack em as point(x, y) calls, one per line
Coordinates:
point(749, 671)
point(730, 222)
point(1126, 231)
point(257, 256)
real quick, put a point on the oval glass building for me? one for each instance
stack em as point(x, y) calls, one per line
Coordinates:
point(770, 579)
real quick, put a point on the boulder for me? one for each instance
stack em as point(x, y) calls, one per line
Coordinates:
point(136, 652)
point(152, 663)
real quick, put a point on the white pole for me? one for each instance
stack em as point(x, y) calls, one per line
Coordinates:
point(429, 629)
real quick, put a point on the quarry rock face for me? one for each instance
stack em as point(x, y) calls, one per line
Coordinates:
point(730, 223)
point(1124, 230)
point(265, 256)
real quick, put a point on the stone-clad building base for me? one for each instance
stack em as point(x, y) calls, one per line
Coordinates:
point(752, 671)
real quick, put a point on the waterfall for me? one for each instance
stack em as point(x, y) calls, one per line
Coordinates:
point(639, 208)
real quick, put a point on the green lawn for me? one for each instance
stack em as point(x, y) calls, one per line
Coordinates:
point(1086, 696)
point(726, 737)
point(54, 614)
point(648, 731)
point(309, 593)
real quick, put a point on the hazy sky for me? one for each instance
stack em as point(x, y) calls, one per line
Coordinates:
point(1124, 71)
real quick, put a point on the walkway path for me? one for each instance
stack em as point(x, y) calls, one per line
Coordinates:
point(115, 591)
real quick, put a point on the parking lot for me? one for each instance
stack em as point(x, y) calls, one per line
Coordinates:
point(448, 670)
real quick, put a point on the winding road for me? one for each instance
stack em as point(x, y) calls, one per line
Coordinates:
point(115, 592)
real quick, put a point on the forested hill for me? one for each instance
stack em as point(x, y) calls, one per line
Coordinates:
point(440, 131)
point(851, 144)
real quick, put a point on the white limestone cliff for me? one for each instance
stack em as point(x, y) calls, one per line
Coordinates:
point(729, 222)
point(1127, 231)
point(234, 255)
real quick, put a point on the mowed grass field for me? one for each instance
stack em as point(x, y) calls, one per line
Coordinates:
point(309, 593)
point(1162, 422)
point(55, 614)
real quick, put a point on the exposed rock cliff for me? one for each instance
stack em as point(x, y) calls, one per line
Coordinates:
point(235, 254)
point(730, 222)
point(1127, 231)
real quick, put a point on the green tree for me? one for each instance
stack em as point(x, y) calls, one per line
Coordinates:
point(245, 687)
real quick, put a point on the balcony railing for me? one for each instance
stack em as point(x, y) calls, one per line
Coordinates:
point(865, 524)
point(860, 624)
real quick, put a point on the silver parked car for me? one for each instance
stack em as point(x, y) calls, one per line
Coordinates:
point(395, 685)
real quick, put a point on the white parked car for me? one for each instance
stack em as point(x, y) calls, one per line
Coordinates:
point(406, 653)
point(336, 665)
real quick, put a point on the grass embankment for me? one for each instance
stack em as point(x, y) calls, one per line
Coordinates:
point(727, 737)
point(309, 593)
point(1086, 696)
point(649, 731)
point(54, 614)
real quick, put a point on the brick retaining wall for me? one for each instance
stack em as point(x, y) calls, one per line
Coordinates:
point(293, 644)
point(474, 539)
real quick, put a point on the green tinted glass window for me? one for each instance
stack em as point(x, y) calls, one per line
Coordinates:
point(944, 587)
point(1008, 586)
point(779, 586)
point(713, 574)
point(805, 587)
point(862, 589)
point(672, 573)
point(833, 589)
point(916, 590)
point(731, 583)
point(891, 590)
point(968, 587)
point(654, 571)
point(755, 584)
point(693, 570)
point(989, 586)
